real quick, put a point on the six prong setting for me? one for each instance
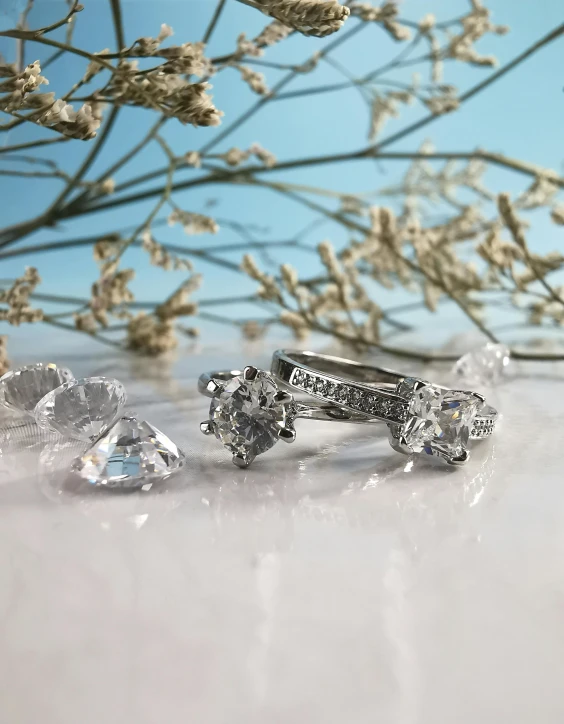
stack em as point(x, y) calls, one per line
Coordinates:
point(439, 421)
point(248, 414)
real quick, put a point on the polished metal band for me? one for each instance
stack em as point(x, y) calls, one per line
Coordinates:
point(365, 389)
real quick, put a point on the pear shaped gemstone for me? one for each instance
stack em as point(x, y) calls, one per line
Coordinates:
point(130, 454)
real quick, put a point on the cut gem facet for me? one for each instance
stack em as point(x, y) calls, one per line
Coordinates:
point(246, 417)
point(131, 453)
point(82, 409)
point(21, 389)
point(439, 421)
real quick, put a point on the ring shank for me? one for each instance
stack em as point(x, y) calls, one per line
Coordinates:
point(364, 389)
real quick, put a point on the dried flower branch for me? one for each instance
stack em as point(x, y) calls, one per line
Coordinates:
point(444, 241)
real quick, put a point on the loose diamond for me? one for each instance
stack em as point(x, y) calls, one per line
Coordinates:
point(484, 366)
point(129, 454)
point(440, 421)
point(82, 409)
point(22, 389)
point(246, 417)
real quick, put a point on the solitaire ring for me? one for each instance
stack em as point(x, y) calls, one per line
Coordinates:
point(422, 417)
point(250, 412)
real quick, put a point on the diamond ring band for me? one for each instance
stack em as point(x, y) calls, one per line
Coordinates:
point(421, 417)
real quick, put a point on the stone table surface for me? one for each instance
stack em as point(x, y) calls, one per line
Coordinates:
point(333, 581)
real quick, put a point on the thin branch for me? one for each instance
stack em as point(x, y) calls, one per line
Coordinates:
point(213, 22)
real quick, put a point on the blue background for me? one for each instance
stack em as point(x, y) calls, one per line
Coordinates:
point(520, 116)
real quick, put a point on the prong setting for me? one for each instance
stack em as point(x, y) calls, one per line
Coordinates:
point(206, 427)
point(287, 434)
point(214, 388)
point(242, 461)
point(250, 373)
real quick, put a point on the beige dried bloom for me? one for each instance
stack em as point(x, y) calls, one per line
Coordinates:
point(511, 220)
point(106, 248)
point(386, 15)
point(86, 322)
point(384, 107)
point(185, 59)
point(445, 102)
point(235, 156)
point(245, 46)
point(192, 222)
point(4, 361)
point(289, 278)
point(309, 65)
point(273, 33)
point(16, 86)
point(427, 23)
point(540, 193)
point(557, 214)
point(253, 329)
point(255, 81)
point(149, 335)
point(179, 303)
point(269, 288)
point(17, 299)
point(296, 323)
point(474, 26)
point(62, 117)
point(94, 67)
point(193, 158)
point(309, 17)
point(111, 293)
point(160, 256)
point(17, 94)
point(168, 93)
point(329, 259)
point(107, 186)
point(266, 157)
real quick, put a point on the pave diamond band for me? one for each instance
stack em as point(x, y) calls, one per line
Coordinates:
point(422, 417)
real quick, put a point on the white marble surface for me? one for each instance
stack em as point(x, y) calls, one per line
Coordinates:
point(333, 581)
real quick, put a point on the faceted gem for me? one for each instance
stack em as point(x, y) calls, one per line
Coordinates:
point(484, 366)
point(22, 389)
point(82, 409)
point(130, 454)
point(440, 421)
point(246, 416)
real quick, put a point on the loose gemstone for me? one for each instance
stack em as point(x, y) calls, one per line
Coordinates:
point(21, 389)
point(440, 421)
point(130, 454)
point(246, 417)
point(82, 409)
point(484, 366)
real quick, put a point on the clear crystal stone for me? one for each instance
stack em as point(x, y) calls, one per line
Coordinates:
point(22, 389)
point(440, 421)
point(484, 366)
point(82, 409)
point(130, 454)
point(246, 417)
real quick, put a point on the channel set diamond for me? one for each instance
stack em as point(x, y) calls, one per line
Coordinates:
point(357, 398)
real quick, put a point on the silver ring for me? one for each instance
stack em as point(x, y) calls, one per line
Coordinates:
point(422, 417)
point(250, 412)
